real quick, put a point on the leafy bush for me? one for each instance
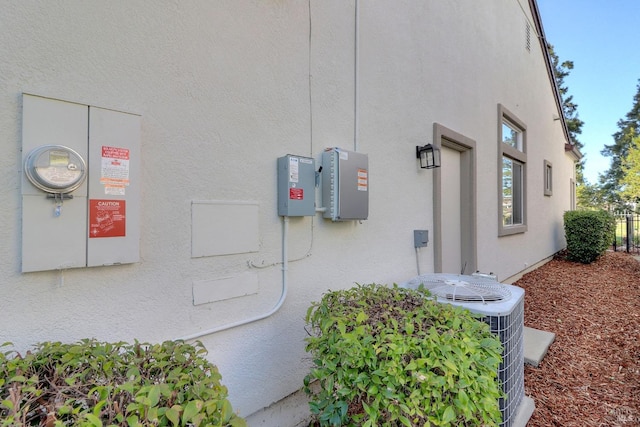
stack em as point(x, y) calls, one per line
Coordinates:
point(91, 383)
point(589, 233)
point(391, 357)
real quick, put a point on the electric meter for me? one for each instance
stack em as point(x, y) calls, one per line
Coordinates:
point(55, 169)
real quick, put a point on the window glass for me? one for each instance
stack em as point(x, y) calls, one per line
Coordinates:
point(511, 136)
point(548, 178)
point(512, 171)
point(512, 197)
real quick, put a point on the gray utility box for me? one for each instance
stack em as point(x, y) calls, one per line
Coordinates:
point(345, 184)
point(296, 186)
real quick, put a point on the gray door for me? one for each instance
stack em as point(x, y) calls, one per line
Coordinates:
point(455, 204)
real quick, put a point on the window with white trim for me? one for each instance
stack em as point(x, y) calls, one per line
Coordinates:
point(512, 168)
point(548, 178)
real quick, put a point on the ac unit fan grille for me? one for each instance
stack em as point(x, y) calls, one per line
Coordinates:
point(462, 288)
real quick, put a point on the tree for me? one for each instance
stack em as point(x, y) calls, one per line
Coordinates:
point(612, 181)
point(630, 182)
point(569, 108)
point(587, 194)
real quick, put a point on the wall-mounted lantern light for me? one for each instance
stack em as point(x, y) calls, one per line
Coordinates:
point(429, 156)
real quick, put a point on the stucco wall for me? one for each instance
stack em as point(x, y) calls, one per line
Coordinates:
point(226, 87)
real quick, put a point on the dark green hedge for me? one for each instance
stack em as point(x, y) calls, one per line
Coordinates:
point(589, 234)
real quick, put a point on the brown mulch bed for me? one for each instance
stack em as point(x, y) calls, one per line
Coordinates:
point(591, 374)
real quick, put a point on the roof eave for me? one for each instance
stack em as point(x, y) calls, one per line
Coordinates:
point(556, 91)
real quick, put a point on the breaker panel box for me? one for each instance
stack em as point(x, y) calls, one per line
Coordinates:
point(345, 184)
point(80, 185)
point(296, 186)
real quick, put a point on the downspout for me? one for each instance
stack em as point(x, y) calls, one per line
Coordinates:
point(356, 67)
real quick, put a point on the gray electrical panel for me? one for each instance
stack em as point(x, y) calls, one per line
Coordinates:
point(296, 186)
point(345, 184)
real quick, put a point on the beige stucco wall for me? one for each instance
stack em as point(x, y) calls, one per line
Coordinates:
point(226, 87)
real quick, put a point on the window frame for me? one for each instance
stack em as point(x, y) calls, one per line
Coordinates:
point(548, 178)
point(506, 117)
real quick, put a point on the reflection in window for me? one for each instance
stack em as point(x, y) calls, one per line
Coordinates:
point(511, 136)
point(512, 171)
point(512, 192)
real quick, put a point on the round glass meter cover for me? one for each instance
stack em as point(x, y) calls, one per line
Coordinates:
point(55, 168)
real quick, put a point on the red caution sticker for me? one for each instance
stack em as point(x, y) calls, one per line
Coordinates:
point(107, 218)
point(296, 194)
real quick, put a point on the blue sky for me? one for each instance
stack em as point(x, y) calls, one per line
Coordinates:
point(602, 38)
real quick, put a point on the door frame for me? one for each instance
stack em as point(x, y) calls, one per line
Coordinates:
point(445, 137)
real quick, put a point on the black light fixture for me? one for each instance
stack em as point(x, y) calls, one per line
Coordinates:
point(429, 156)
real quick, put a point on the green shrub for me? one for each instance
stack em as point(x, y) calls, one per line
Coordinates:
point(589, 234)
point(392, 357)
point(91, 383)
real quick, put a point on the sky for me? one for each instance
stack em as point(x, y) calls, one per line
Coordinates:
point(602, 38)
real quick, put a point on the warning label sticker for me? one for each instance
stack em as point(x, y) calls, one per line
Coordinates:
point(107, 218)
point(296, 194)
point(115, 169)
point(363, 180)
point(294, 169)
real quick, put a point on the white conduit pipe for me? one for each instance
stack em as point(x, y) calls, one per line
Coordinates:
point(283, 295)
point(356, 66)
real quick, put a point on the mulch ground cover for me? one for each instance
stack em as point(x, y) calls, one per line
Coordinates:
point(591, 374)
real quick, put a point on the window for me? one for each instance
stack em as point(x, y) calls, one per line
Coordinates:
point(548, 178)
point(512, 173)
point(511, 192)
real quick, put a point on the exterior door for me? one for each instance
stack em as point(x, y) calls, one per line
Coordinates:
point(451, 226)
point(454, 204)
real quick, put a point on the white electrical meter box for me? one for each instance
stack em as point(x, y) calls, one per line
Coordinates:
point(296, 186)
point(80, 185)
point(345, 184)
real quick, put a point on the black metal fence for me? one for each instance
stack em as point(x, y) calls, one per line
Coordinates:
point(627, 232)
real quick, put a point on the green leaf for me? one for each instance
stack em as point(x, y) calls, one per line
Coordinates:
point(191, 410)
point(7, 404)
point(409, 328)
point(405, 421)
point(361, 317)
point(463, 398)
point(95, 421)
point(449, 415)
point(173, 415)
point(411, 366)
point(154, 395)
point(98, 407)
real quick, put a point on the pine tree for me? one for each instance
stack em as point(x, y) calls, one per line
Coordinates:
point(588, 195)
point(569, 108)
point(630, 182)
point(613, 180)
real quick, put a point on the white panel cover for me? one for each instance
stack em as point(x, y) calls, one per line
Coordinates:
point(114, 188)
point(51, 241)
point(223, 228)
